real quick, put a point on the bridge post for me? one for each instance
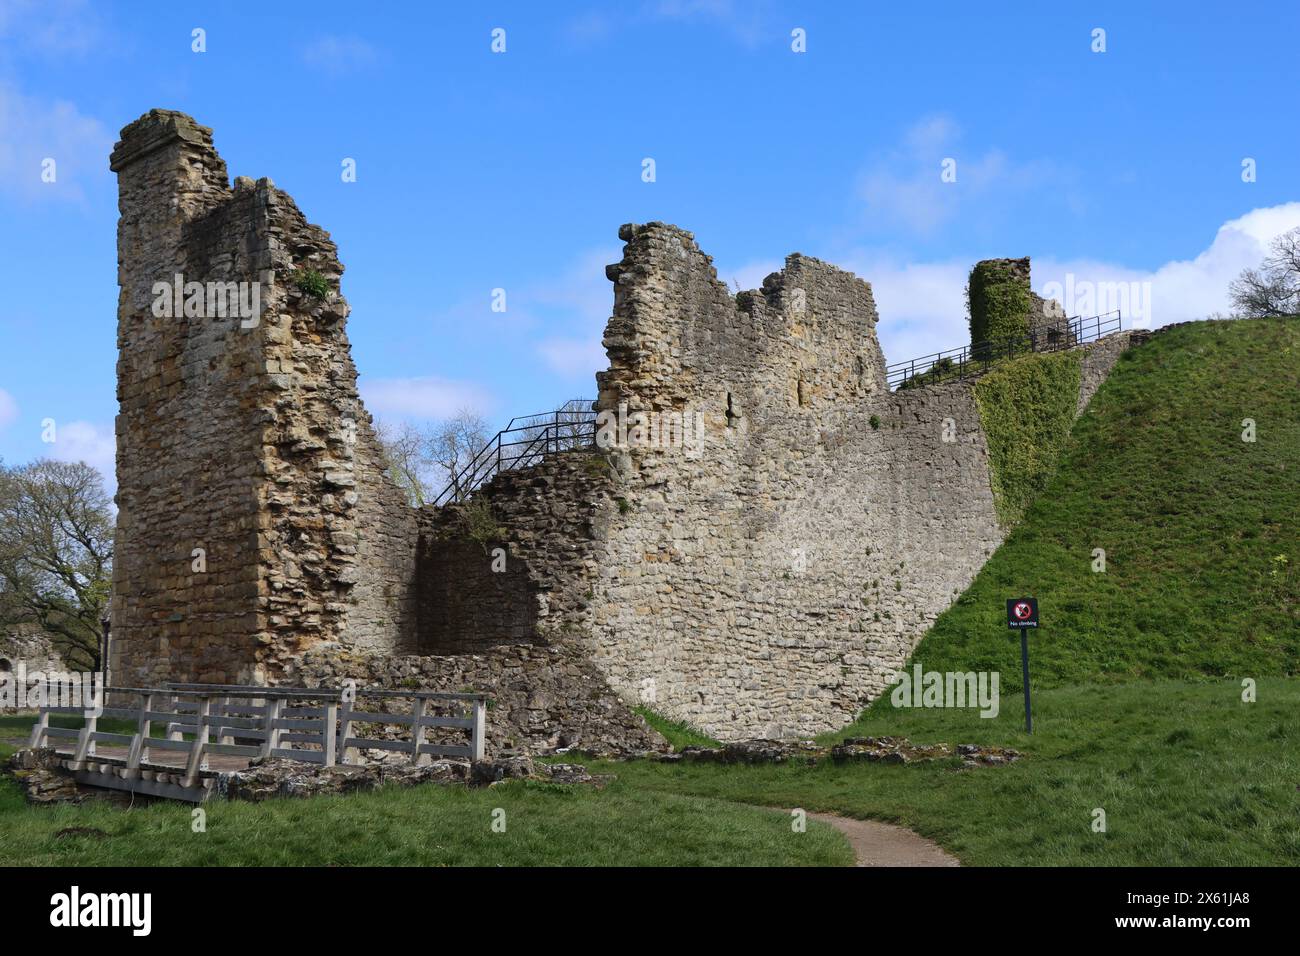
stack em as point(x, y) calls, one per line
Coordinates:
point(272, 715)
point(38, 729)
point(328, 741)
point(417, 732)
point(476, 742)
point(349, 754)
point(143, 726)
point(195, 764)
point(85, 743)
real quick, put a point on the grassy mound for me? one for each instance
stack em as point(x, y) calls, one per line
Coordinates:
point(1198, 526)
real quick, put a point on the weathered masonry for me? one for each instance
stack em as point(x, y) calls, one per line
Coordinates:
point(767, 577)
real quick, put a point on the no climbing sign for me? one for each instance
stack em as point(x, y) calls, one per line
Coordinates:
point(1023, 613)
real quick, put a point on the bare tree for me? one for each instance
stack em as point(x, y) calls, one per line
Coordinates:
point(56, 554)
point(425, 461)
point(408, 464)
point(1273, 288)
point(452, 445)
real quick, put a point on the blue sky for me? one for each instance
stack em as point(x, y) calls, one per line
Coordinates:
point(478, 170)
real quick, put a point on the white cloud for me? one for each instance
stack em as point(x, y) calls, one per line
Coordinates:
point(922, 305)
point(582, 290)
point(1180, 290)
point(8, 409)
point(33, 130)
point(422, 398)
point(84, 441)
point(751, 275)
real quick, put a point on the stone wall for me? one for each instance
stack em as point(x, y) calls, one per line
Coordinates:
point(542, 697)
point(28, 645)
point(770, 581)
point(253, 516)
point(764, 573)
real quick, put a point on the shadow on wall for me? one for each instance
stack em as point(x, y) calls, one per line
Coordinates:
point(472, 600)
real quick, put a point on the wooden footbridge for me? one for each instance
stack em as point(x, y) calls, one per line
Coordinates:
point(186, 735)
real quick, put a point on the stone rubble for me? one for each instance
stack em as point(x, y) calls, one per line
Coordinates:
point(44, 780)
point(851, 749)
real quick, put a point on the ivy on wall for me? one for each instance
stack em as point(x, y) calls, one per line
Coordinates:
point(1027, 409)
point(998, 302)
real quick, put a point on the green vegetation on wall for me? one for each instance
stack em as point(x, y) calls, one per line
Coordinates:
point(998, 303)
point(1026, 409)
point(676, 732)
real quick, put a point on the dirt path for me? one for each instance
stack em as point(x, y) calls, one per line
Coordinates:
point(883, 844)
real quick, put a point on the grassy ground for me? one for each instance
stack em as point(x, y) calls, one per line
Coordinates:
point(1187, 774)
point(421, 826)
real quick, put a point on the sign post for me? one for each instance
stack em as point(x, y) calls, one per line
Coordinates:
point(1022, 614)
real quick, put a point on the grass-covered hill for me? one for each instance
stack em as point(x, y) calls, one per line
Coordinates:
point(1200, 528)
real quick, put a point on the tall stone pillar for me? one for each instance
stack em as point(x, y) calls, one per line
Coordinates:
point(254, 516)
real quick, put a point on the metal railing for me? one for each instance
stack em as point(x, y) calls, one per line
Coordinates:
point(970, 360)
point(524, 442)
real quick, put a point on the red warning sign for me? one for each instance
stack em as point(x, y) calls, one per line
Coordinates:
point(1022, 612)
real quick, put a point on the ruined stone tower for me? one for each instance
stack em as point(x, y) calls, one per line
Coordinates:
point(254, 518)
point(768, 579)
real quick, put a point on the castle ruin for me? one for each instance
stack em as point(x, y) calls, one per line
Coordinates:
point(770, 581)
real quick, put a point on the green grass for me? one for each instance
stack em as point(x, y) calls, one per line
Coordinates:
point(676, 732)
point(1187, 774)
point(546, 825)
point(1202, 555)
point(430, 825)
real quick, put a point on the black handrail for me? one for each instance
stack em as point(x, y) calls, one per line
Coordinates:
point(573, 425)
point(968, 360)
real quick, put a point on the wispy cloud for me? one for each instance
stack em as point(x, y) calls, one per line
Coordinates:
point(904, 186)
point(339, 53)
point(574, 358)
point(34, 131)
point(85, 441)
point(425, 397)
point(51, 27)
point(749, 22)
point(573, 309)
